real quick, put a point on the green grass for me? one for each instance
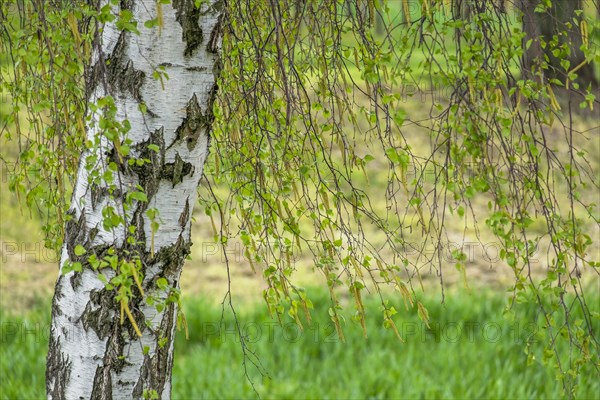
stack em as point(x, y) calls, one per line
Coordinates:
point(471, 351)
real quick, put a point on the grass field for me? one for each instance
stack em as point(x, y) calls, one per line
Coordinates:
point(469, 351)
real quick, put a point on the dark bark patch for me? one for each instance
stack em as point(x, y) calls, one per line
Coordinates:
point(149, 173)
point(215, 37)
point(99, 193)
point(185, 215)
point(139, 222)
point(112, 361)
point(212, 96)
point(93, 232)
point(162, 359)
point(99, 312)
point(196, 69)
point(172, 257)
point(58, 369)
point(76, 280)
point(195, 122)
point(56, 311)
point(96, 195)
point(121, 73)
point(126, 4)
point(175, 171)
point(188, 16)
point(114, 349)
point(120, 160)
point(93, 76)
point(75, 233)
point(155, 371)
point(102, 384)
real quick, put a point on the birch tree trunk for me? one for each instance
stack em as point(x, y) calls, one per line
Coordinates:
point(93, 352)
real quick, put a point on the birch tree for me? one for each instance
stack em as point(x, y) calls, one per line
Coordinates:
point(152, 93)
point(310, 107)
point(127, 232)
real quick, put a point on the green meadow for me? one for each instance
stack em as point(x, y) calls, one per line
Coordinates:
point(472, 348)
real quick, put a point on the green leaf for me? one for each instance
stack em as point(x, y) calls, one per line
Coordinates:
point(162, 283)
point(79, 250)
point(399, 117)
point(151, 23)
point(393, 155)
point(139, 196)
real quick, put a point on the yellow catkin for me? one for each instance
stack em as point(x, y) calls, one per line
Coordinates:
point(395, 329)
point(584, 32)
point(130, 317)
point(159, 16)
point(406, 10)
point(553, 101)
point(72, 22)
point(499, 99)
point(136, 278)
point(122, 316)
point(152, 244)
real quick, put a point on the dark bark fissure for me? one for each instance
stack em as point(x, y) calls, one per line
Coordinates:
point(75, 233)
point(196, 69)
point(102, 384)
point(175, 171)
point(149, 176)
point(112, 361)
point(99, 313)
point(75, 280)
point(58, 368)
point(121, 74)
point(126, 5)
point(152, 371)
point(188, 16)
point(149, 173)
point(117, 72)
point(185, 215)
point(215, 37)
point(194, 124)
point(56, 311)
point(98, 194)
point(172, 258)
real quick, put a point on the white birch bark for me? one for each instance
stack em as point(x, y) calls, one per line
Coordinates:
point(91, 354)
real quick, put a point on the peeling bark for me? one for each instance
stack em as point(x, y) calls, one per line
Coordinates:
point(92, 355)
